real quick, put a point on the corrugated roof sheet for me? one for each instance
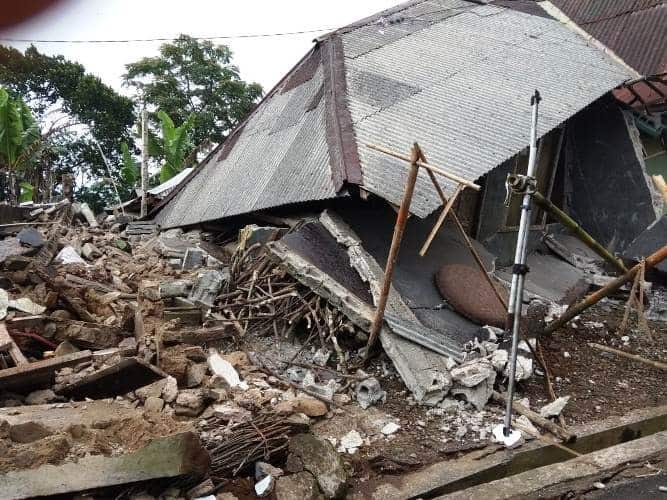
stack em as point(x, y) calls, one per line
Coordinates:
point(635, 30)
point(454, 75)
point(475, 72)
point(279, 157)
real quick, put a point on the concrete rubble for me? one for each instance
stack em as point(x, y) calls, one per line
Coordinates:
point(162, 341)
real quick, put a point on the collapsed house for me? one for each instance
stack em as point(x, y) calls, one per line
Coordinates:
point(387, 81)
point(228, 332)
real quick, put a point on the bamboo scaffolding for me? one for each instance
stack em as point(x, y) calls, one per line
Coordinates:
point(651, 261)
point(578, 231)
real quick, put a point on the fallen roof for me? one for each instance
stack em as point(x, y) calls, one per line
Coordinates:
point(636, 30)
point(454, 75)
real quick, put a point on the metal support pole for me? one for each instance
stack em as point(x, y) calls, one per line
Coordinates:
point(519, 269)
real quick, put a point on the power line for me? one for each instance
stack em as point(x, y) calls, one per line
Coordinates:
point(169, 39)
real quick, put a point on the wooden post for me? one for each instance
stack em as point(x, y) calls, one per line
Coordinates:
point(144, 161)
point(578, 231)
point(399, 228)
point(651, 261)
point(441, 220)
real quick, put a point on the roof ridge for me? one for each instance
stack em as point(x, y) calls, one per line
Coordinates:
point(624, 13)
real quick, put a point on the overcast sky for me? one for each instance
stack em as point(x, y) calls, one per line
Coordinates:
point(264, 60)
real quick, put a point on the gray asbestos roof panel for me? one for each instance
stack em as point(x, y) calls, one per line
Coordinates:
point(279, 158)
point(464, 85)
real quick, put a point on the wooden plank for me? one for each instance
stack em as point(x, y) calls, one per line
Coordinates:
point(125, 376)
point(170, 456)
point(40, 374)
point(12, 348)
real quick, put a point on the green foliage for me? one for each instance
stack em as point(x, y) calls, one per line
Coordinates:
point(27, 192)
point(175, 144)
point(130, 169)
point(18, 132)
point(192, 77)
point(52, 82)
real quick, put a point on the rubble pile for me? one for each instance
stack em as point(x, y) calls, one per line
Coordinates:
point(215, 342)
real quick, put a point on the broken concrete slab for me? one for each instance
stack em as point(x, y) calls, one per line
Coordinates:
point(170, 456)
point(39, 374)
point(301, 485)
point(31, 237)
point(423, 371)
point(193, 258)
point(322, 461)
point(369, 392)
point(554, 408)
point(124, 376)
point(208, 285)
point(175, 288)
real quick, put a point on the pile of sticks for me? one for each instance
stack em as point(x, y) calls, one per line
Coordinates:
point(262, 298)
point(265, 438)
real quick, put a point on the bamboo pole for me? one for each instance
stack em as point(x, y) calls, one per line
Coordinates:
point(652, 260)
point(578, 231)
point(634, 357)
point(431, 168)
point(399, 228)
point(441, 220)
point(536, 418)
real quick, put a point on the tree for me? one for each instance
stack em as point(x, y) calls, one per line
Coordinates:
point(78, 106)
point(192, 78)
point(174, 145)
point(19, 139)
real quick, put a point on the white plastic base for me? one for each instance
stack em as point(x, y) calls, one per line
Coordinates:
point(512, 441)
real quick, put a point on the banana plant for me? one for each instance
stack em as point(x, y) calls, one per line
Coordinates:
point(19, 137)
point(175, 145)
point(129, 170)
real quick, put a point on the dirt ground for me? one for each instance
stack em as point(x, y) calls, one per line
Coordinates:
point(600, 385)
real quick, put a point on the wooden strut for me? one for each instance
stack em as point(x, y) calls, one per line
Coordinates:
point(399, 229)
point(578, 231)
point(441, 220)
point(465, 236)
point(651, 261)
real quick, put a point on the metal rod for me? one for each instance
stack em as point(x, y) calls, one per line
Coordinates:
point(519, 268)
point(432, 168)
point(399, 228)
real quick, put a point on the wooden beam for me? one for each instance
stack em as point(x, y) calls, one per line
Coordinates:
point(8, 345)
point(432, 168)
